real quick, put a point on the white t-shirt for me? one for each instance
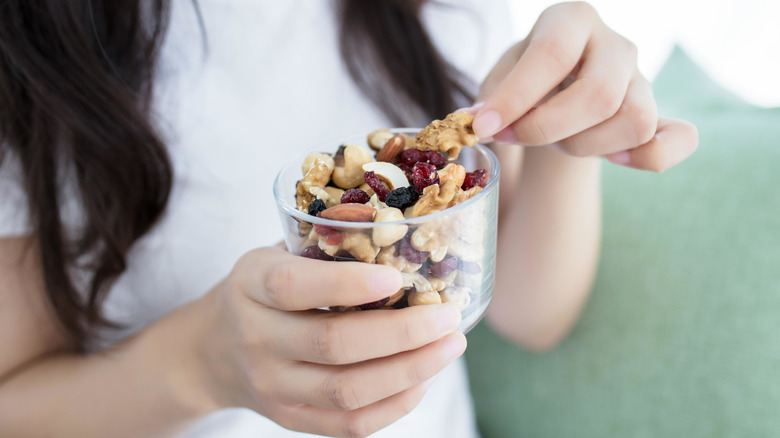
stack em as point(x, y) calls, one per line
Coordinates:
point(270, 84)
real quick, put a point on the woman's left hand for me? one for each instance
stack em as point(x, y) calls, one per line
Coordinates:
point(574, 83)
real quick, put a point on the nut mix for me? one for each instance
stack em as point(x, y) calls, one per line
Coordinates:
point(409, 177)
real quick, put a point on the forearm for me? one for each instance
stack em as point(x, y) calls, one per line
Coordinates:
point(548, 247)
point(144, 387)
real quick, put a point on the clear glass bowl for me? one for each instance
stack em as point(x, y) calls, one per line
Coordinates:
point(460, 264)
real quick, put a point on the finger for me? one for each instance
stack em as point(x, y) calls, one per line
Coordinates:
point(553, 51)
point(361, 422)
point(358, 385)
point(674, 141)
point(595, 95)
point(344, 338)
point(284, 281)
point(634, 124)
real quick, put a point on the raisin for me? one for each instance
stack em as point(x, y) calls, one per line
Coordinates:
point(424, 175)
point(444, 267)
point(409, 252)
point(475, 178)
point(315, 252)
point(402, 197)
point(378, 304)
point(316, 206)
point(354, 196)
point(376, 185)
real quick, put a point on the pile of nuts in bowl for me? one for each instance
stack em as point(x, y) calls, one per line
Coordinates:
point(409, 177)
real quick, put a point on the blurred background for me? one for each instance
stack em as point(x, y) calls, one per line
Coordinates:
point(737, 42)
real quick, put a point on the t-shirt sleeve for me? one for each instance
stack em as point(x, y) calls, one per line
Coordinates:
point(14, 213)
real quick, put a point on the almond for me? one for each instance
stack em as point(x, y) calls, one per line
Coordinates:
point(394, 146)
point(349, 213)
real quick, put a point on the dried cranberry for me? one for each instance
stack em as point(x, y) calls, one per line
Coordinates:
point(424, 175)
point(376, 185)
point(406, 249)
point(436, 159)
point(314, 252)
point(316, 206)
point(410, 157)
point(374, 304)
point(476, 178)
point(402, 197)
point(444, 267)
point(354, 196)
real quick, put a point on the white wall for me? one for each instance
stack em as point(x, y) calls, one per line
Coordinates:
point(736, 41)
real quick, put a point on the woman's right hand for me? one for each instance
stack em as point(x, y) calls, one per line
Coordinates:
point(315, 371)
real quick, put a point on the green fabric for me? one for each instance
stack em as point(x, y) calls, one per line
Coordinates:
point(681, 337)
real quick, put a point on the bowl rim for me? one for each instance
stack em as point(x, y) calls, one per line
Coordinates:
point(291, 210)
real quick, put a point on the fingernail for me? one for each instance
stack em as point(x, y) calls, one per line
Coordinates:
point(487, 124)
point(473, 109)
point(448, 318)
point(427, 384)
point(623, 158)
point(506, 135)
point(454, 347)
point(385, 282)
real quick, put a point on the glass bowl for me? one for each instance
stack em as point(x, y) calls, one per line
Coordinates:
point(447, 256)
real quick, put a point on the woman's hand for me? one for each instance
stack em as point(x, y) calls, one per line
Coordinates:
point(574, 83)
point(336, 374)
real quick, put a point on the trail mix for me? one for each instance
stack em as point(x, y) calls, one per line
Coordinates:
point(439, 260)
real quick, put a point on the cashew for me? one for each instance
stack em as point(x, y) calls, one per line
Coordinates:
point(394, 298)
point(417, 281)
point(377, 139)
point(460, 296)
point(359, 245)
point(423, 298)
point(387, 256)
point(349, 161)
point(334, 196)
point(386, 235)
point(388, 172)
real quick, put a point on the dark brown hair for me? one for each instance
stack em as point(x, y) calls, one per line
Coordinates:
point(76, 82)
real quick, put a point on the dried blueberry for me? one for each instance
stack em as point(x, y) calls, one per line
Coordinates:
point(402, 197)
point(316, 206)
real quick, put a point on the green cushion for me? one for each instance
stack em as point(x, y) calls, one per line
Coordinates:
point(682, 334)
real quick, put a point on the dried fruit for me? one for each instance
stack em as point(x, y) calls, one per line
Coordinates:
point(354, 196)
point(410, 157)
point(316, 206)
point(314, 252)
point(424, 175)
point(376, 185)
point(478, 177)
point(406, 250)
point(444, 267)
point(402, 197)
point(350, 213)
point(378, 304)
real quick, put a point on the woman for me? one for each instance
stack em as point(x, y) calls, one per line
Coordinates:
point(141, 289)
